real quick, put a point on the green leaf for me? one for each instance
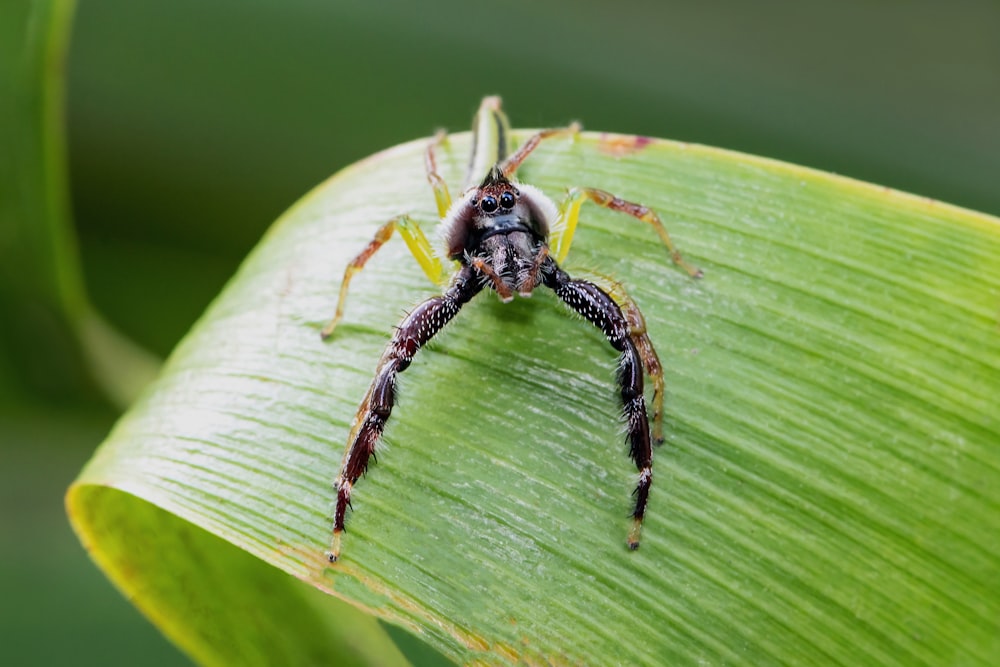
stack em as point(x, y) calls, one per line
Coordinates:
point(829, 490)
point(42, 288)
point(37, 247)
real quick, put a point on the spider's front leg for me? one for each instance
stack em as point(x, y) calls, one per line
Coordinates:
point(599, 309)
point(560, 241)
point(413, 332)
point(650, 359)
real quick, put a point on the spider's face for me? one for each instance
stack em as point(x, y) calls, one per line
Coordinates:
point(495, 200)
point(498, 207)
point(499, 201)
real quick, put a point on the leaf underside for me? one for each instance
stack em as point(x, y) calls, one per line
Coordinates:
point(829, 490)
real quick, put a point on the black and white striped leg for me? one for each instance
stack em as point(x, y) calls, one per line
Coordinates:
point(413, 332)
point(599, 309)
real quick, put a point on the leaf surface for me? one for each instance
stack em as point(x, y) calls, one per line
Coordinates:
point(829, 490)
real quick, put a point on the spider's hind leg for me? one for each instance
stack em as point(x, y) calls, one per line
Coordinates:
point(511, 164)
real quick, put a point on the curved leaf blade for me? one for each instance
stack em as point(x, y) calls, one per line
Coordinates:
point(830, 485)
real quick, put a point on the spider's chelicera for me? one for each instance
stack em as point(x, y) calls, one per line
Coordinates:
point(508, 237)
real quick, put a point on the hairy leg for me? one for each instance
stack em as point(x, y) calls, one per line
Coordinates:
point(413, 332)
point(650, 360)
point(639, 334)
point(599, 309)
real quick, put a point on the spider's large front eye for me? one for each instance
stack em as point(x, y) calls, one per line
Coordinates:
point(488, 204)
point(507, 200)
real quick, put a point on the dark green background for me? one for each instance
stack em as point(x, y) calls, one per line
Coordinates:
point(193, 124)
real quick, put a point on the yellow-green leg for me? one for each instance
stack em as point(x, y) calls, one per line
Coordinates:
point(441, 196)
point(569, 214)
point(491, 142)
point(410, 230)
point(416, 241)
point(510, 165)
point(490, 139)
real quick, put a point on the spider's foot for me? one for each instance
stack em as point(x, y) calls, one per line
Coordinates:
point(333, 555)
point(657, 434)
point(691, 269)
point(633, 534)
point(327, 331)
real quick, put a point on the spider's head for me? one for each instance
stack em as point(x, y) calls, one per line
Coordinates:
point(496, 196)
point(496, 206)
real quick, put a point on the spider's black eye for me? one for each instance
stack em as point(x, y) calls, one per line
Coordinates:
point(507, 200)
point(488, 204)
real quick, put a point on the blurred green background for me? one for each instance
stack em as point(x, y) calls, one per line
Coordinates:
point(192, 125)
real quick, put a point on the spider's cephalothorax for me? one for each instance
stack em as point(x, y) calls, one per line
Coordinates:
point(501, 229)
point(508, 237)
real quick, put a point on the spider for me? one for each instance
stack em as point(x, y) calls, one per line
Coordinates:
point(508, 237)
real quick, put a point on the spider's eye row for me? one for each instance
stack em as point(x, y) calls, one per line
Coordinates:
point(507, 200)
point(488, 204)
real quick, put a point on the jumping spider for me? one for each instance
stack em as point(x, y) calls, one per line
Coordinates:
point(509, 237)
